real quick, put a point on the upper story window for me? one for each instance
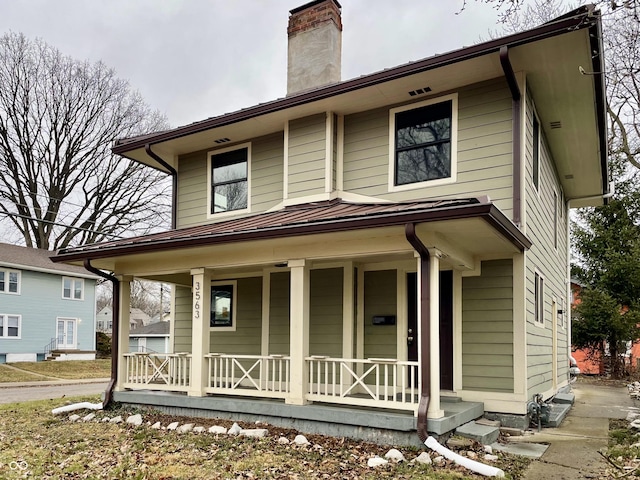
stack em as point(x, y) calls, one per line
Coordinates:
point(9, 326)
point(423, 140)
point(223, 305)
point(10, 281)
point(536, 152)
point(72, 288)
point(229, 179)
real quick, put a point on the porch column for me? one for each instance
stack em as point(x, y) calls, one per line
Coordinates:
point(299, 332)
point(434, 410)
point(123, 329)
point(200, 321)
point(348, 320)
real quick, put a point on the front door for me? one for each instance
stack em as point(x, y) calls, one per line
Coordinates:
point(446, 325)
point(66, 333)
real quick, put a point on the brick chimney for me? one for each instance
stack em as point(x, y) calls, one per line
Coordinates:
point(315, 45)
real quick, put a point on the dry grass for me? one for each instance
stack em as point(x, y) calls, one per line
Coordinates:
point(51, 447)
point(8, 374)
point(71, 370)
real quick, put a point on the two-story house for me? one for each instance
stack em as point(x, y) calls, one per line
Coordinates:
point(46, 308)
point(398, 241)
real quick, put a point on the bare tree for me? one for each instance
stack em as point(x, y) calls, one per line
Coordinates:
point(60, 184)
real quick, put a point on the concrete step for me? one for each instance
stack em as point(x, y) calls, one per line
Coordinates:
point(558, 412)
point(569, 398)
point(484, 434)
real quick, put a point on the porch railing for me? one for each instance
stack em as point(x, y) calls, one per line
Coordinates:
point(374, 382)
point(248, 375)
point(158, 371)
point(51, 346)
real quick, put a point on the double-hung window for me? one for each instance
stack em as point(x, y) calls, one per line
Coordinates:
point(423, 143)
point(229, 179)
point(10, 281)
point(72, 288)
point(9, 326)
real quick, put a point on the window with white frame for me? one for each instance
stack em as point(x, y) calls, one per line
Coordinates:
point(539, 299)
point(10, 281)
point(10, 325)
point(423, 143)
point(536, 152)
point(223, 306)
point(229, 179)
point(72, 288)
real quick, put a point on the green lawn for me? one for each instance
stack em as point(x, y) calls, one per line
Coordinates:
point(56, 369)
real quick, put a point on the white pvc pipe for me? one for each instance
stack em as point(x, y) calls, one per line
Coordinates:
point(481, 468)
point(77, 406)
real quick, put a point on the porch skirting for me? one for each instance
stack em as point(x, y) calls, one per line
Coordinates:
point(386, 427)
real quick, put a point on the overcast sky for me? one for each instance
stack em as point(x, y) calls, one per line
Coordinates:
point(194, 59)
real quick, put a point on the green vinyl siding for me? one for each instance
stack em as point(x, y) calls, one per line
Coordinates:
point(380, 298)
point(484, 160)
point(543, 257)
point(307, 154)
point(487, 328)
point(279, 308)
point(182, 319)
point(325, 314)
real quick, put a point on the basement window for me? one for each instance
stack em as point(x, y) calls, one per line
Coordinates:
point(229, 179)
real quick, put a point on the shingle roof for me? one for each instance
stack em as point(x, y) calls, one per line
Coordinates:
point(36, 259)
point(159, 328)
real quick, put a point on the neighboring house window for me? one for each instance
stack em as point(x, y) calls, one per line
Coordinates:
point(10, 281)
point(223, 305)
point(9, 326)
point(72, 288)
point(229, 175)
point(423, 143)
point(536, 152)
point(539, 298)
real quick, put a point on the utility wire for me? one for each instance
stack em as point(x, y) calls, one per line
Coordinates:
point(57, 224)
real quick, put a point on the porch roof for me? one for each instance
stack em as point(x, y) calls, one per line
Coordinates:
point(306, 219)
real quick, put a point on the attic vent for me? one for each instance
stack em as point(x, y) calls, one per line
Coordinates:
point(555, 125)
point(569, 177)
point(420, 91)
point(222, 140)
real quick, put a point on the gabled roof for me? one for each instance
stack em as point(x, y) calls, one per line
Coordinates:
point(311, 218)
point(158, 328)
point(35, 259)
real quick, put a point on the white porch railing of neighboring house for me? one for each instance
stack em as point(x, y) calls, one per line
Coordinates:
point(159, 371)
point(374, 382)
point(248, 375)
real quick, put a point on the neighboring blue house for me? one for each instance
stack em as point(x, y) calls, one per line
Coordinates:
point(152, 338)
point(46, 309)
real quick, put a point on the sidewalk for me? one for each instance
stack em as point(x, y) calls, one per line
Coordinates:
point(54, 382)
point(573, 447)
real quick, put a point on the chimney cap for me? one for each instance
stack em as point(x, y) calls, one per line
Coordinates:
point(311, 4)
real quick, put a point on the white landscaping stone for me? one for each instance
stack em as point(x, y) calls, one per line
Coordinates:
point(283, 441)
point(376, 462)
point(106, 419)
point(394, 454)
point(234, 430)
point(135, 420)
point(631, 416)
point(173, 425)
point(438, 460)
point(635, 424)
point(156, 426)
point(254, 432)
point(89, 417)
point(490, 458)
point(187, 427)
point(217, 429)
point(199, 429)
point(472, 455)
point(74, 418)
point(117, 419)
point(301, 440)
point(423, 458)
point(488, 449)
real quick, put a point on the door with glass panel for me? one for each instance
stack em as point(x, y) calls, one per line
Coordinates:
point(66, 333)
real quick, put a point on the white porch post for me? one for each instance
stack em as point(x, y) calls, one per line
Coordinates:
point(348, 320)
point(200, 320)
point(299, 332)
point(434, 410)
point(123, 329)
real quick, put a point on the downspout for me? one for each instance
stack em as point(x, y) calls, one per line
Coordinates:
point(517, 127)
point(115, 307)
point(174, 181)
point(425, 329)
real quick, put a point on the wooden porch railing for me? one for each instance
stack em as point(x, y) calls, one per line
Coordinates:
point(158, 371)
point(248, 375)
point(374, 382)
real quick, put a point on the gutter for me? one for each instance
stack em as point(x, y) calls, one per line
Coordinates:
point(425, 329)
point(516, 96)
point(115, 307)
point(174, 183)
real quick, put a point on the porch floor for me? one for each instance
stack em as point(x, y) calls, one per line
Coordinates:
point(387, 427)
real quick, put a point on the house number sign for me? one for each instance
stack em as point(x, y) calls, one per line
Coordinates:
point(196, 299)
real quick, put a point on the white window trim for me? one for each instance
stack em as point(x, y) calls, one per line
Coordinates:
point(209, 180)
point(234, 305)
point(5, 326)
point(7, 271)
point(536, 118)
point(73, 280)
point(537, 299)
point(454, 144)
